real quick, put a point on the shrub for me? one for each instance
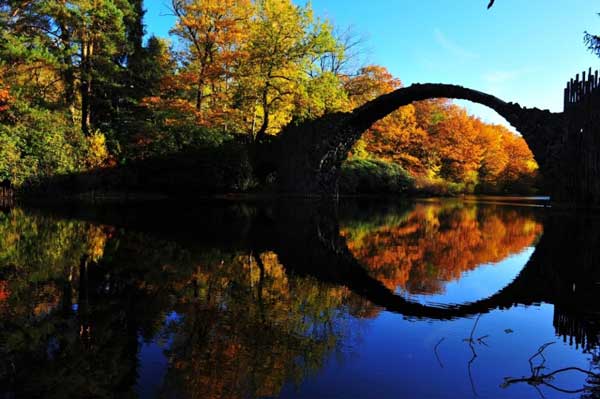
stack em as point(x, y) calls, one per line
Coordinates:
point(161, 140)
point(39, 143)
point(226, 168)
point(438, 187)
point(97, 153)
point(373, 176)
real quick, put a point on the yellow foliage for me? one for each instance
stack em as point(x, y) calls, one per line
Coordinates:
point(97, 155)
point(96, 240)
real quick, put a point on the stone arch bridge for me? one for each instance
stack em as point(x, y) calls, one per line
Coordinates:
point(566, 145)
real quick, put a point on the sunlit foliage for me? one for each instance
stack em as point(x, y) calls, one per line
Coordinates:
point(437, 243)
point(96, 94)
point(440, 144)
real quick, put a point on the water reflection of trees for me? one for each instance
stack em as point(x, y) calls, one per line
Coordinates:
point(76, 297)
point(434, 243)
point(248, 328)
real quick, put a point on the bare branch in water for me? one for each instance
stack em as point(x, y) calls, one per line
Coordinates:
point(472, 341)
point(435, 348)
point(537, 378)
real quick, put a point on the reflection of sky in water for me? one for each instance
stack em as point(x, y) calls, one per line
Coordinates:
point(396, 359)
point(152, 369)
point(153, 362)
point(478, 283)
point(397, 356)
point(375, 355)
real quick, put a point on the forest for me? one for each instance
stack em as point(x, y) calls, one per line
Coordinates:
point(84, 91)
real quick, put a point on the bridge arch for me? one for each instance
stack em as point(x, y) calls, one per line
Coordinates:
point(366, 115)
point(519, 291)
point(330, 260)
point(311, 154)
point(562, 269)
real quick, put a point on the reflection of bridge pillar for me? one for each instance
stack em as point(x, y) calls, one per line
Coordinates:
point(583, 330)
point(565, 268)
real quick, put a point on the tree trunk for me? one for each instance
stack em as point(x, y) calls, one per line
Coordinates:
point(68, 72)
point(262, 132)
point(199, 95)
point(86, 86)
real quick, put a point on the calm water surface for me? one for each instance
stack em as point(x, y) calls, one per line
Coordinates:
point(428, 299)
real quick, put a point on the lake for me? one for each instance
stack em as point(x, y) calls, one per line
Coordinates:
point(364, 298)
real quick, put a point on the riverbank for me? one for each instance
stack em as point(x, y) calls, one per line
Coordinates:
point(234, 172)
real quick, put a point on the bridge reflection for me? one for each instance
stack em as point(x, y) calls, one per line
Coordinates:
point(579, 329)
point(89, 291)
point(563, 269)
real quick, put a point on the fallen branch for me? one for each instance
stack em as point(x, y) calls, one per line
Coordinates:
point(436, 352)
point(537, 378)
point(472, 341)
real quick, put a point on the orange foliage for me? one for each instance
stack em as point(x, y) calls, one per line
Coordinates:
point(4, 95)
point(214, 31)
point(4, 291)
point(398, 138)
point(435, 245)
point(370, 82)
point(455, 138)
point(437, 139)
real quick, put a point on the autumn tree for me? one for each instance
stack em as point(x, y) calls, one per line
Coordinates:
point(284, 40)
point(4, 95)
point(397, 137)
point(455, 141)
point(494, 158)
point(325, 90)
point(347, 56)
point(322, 93)
point(214, 33)
point(369, 83)
point(521, 170)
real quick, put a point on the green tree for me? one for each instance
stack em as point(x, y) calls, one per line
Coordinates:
point(66, 46)
point(284, 41)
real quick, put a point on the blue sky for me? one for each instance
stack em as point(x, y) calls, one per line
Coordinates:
point(520, 50)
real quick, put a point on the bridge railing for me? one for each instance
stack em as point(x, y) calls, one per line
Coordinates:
point(578, 91)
